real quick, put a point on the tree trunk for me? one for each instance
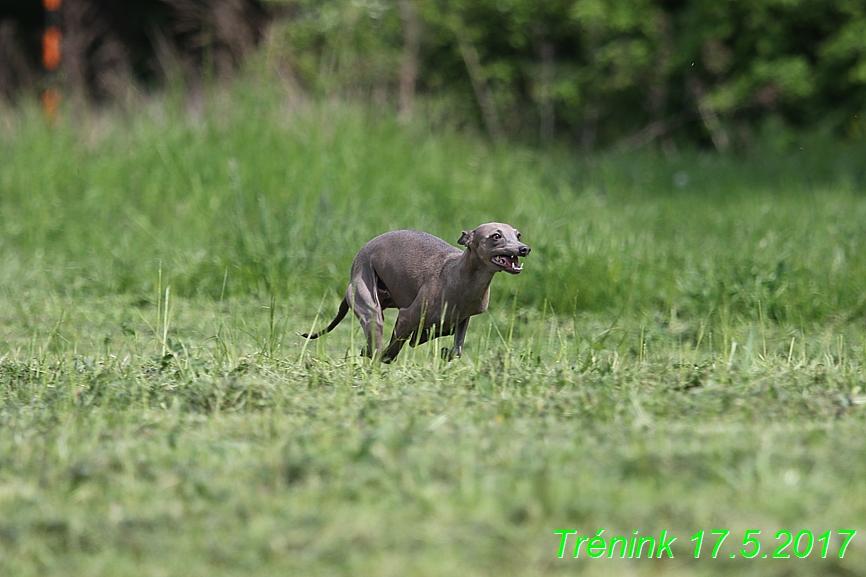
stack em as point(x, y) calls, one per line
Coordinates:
point(479, 82)
point(718, 134)
point(409, 63)
point(546, 111)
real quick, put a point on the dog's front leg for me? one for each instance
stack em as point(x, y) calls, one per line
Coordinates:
point(459, 337)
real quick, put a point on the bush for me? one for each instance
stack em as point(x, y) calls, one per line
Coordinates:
point(594, 71)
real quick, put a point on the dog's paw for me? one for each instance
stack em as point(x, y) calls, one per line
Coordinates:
point(449, 354)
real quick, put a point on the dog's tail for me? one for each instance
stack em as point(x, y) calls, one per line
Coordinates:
point(344, 308)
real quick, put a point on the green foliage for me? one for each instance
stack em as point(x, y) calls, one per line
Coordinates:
point(334, 45)
point(697, 71)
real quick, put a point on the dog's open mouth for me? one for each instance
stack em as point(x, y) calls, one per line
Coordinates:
point(509, 263)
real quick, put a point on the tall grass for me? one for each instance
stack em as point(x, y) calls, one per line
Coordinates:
point(259, 196)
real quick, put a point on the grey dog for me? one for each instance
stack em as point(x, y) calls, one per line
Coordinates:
point(435, 286)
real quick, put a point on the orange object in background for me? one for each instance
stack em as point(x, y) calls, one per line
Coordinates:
point(51, 48)
point(51, 59)
point(51, 102)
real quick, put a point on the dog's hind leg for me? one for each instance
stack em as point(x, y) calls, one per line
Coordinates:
point(405, 328)
point(363, 295)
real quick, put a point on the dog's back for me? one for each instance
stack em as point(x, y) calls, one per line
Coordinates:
point(405, 260)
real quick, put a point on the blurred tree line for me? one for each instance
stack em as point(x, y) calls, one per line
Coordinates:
point(599, 72)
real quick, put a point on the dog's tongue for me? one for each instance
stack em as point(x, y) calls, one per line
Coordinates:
point(509, 263)
point(513, 264)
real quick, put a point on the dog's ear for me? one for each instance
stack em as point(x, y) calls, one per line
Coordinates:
point(466, 237)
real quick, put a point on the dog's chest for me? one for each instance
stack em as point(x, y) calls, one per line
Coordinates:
point(462, 303)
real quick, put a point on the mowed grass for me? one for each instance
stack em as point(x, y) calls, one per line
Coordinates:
point(683, 352)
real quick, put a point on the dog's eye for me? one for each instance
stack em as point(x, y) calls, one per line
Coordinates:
point(496, 236)
point(518, 236)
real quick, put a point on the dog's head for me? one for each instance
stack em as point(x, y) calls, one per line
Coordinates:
point(497, 244)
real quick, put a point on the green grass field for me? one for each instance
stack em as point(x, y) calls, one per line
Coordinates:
point(683, 352)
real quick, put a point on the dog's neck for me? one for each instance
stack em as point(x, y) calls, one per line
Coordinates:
point(474, 275)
